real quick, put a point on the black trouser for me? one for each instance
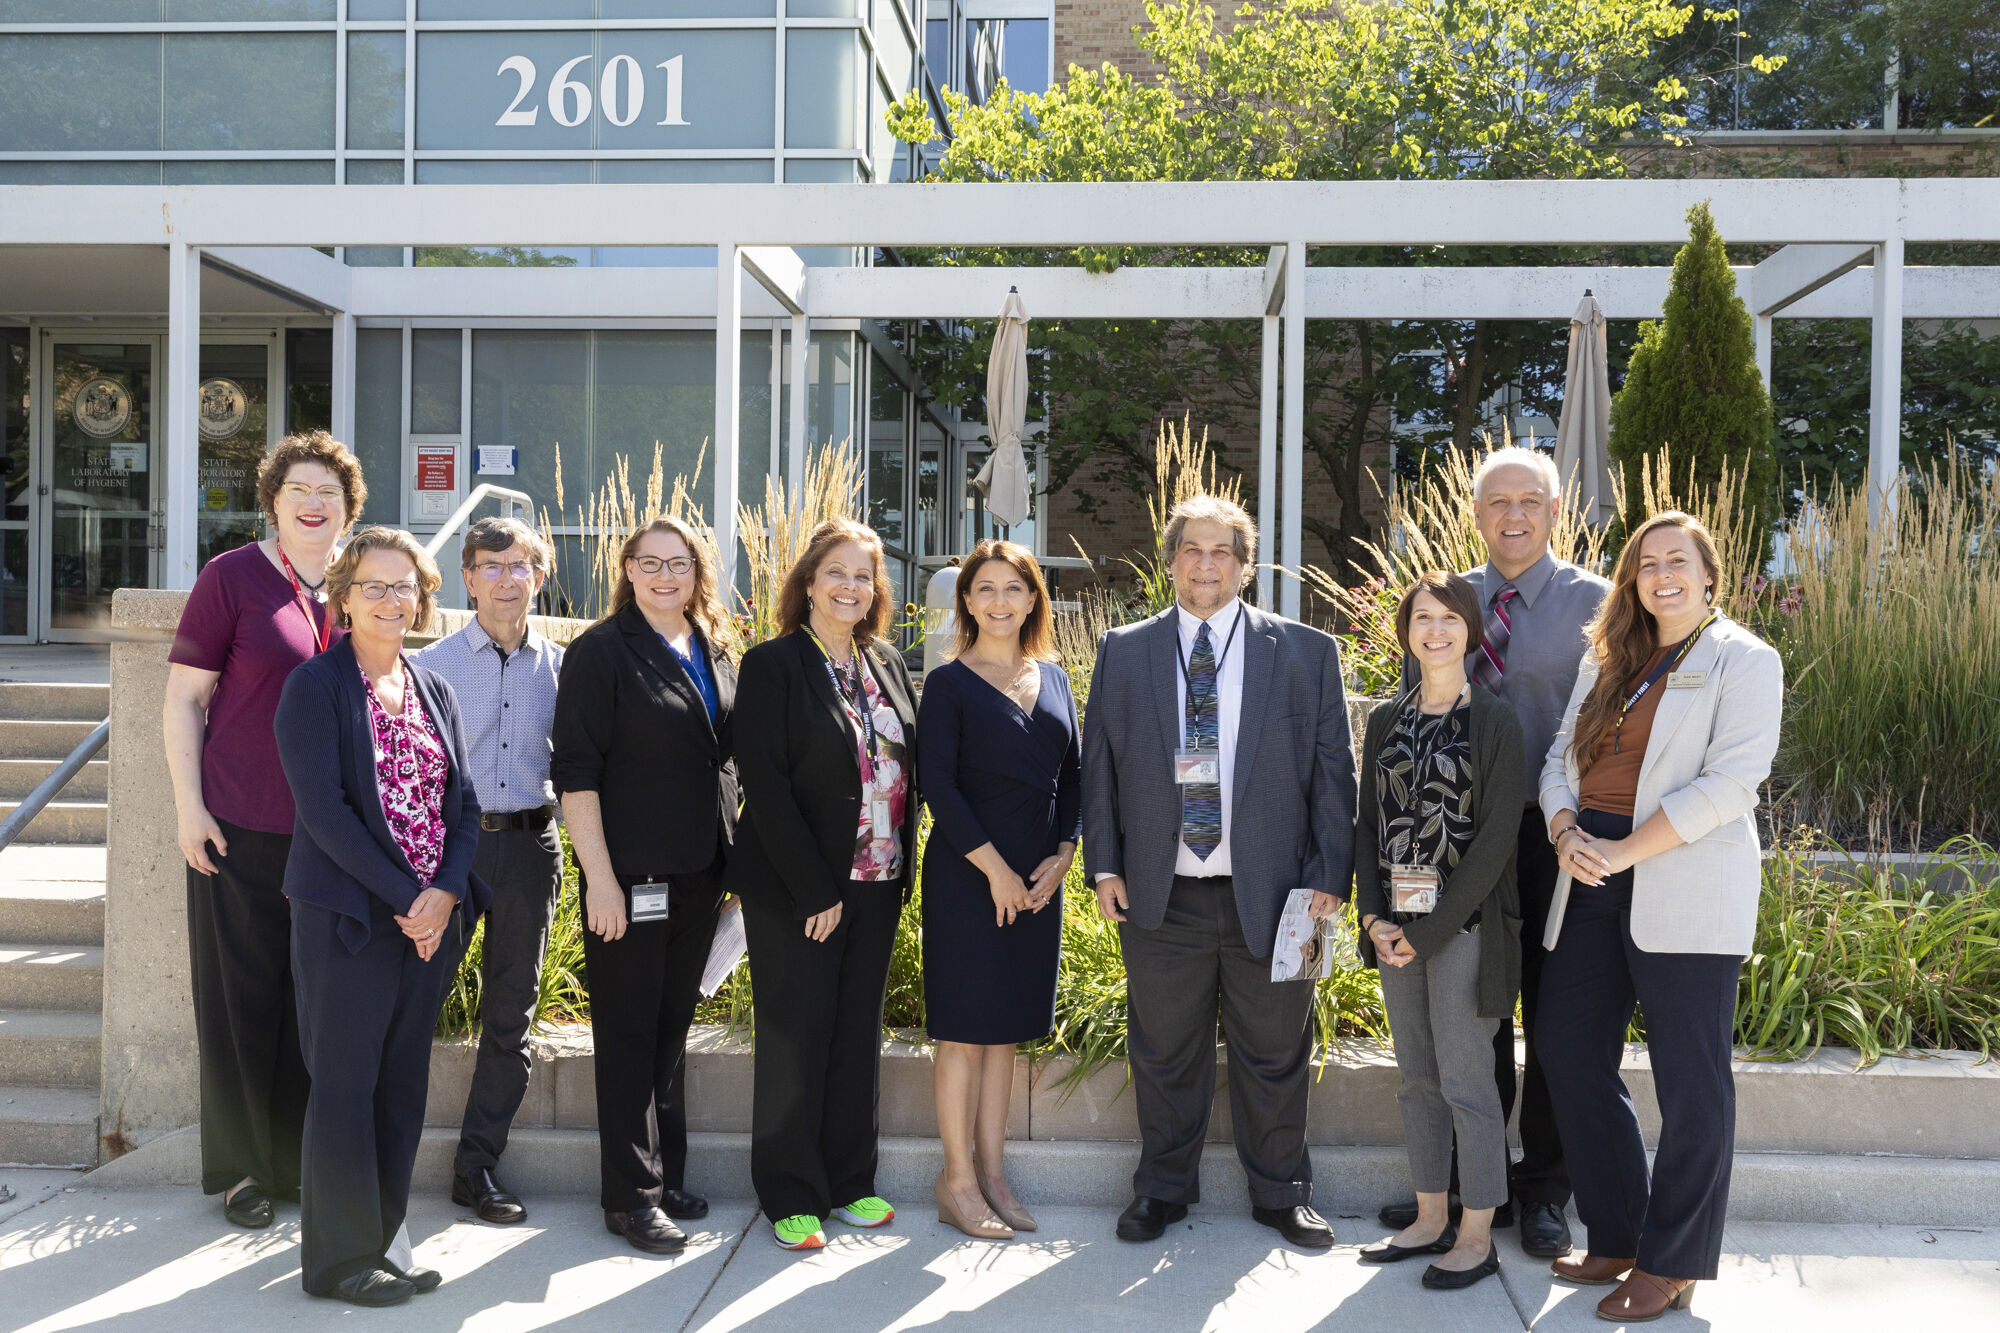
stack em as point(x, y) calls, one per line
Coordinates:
point(246, 1023)
point(1175, 978)
point(366, 1021)
point(814, 1127)
point(1672, 1223)
point(523, 867)
point(643, 990)
point(1541, 1176)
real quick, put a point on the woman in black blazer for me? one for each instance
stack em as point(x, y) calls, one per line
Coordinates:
point(380, 879)
point(642, 760)
point(823, 861)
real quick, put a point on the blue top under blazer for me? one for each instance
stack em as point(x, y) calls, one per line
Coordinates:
point(343, 854)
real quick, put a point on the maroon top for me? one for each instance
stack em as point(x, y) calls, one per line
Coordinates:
point(244, 620)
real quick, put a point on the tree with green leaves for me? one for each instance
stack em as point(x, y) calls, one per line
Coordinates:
point(1692, 386)
point(1304, 90)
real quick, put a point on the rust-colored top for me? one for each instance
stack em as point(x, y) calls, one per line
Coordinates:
point(1613, 781)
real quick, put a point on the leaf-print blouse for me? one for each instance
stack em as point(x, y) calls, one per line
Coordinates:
point(878, 858)
point(1425, 781)
point(410, 772)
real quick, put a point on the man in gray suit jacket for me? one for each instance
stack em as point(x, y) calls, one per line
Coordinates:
point(1218, 776)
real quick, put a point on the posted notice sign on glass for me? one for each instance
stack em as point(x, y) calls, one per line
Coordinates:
point(647, 89)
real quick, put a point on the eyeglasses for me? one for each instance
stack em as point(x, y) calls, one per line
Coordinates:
point(326, 495)
point(491, 570)
point(653, 564)
point(375, 590)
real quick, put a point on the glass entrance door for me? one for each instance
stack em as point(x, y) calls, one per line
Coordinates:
point(16, 489)
point(232, 421)
point(103, 528)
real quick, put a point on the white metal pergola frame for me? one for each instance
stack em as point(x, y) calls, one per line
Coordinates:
point(1828, 229)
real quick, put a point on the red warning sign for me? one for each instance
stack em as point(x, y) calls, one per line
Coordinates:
point(436, 464)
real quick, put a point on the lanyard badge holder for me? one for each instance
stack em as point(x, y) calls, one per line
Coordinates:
point(1194, 766)
point(880, 825)
point(1413, 889)
point(647, 902)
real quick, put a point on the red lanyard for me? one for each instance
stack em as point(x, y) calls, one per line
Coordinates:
point(322, 632)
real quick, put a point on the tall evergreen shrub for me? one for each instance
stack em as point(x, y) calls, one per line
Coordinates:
point(1693, 385)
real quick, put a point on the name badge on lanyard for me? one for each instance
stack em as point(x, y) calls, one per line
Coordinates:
point(1197, 766)
point(1413, 888)
point(878, 818)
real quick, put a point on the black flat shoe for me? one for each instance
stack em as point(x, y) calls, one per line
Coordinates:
point(1445, 1279)
point(480, 1192)
point(250, 1207)
point(647, 1229)
point(1298, 1224)
point(682, 1206)
point(1402, 1216)
point(1386, 1253)
point(1544, 1231)
point(1148, 1217)
point(423, 1279)
point(373, 1287)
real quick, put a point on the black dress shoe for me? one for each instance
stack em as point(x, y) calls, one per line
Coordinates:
point(1298, 1224)
point(648, 1229)
point(480, 1192)
point(1404, 1215)
point(1445, 1279)
point(682, 1206)
point(1388, 1253)
point(1148, 1217)
point(250, 1207)
point(423, 1279)
point(1544, 1231)
point(372, 1287)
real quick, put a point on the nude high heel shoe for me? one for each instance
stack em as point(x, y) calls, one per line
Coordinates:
point(1016, 1217)
point(983, 1229)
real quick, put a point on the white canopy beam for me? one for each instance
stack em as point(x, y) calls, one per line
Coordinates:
point(1267, 422)
point(1292, 459)
point(180, 471)
point(726, 450)
point(779, 271)
point(1797, 271)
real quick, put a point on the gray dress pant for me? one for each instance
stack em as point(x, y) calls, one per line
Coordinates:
point(1175, 978)
point(523, 867)
point(1444, 1050)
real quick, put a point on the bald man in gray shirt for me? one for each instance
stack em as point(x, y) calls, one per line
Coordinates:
point(1536, 609)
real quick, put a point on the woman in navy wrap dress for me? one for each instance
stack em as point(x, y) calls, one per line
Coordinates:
point(1000, 727)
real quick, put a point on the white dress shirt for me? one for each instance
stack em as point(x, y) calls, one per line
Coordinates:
point(1228, 707)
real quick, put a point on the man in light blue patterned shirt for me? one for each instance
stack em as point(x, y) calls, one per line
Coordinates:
point(504, 674)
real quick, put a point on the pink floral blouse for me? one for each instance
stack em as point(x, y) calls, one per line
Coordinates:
point(879, 858)
point(410, 771)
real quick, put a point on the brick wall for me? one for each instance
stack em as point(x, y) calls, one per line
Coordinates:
point(1092, 32)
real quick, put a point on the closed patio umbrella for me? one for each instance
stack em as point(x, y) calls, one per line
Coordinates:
point(1582, 434)
point(1004, 479)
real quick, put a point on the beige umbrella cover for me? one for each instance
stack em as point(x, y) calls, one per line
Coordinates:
point(1582, 435)
point(1004, 479)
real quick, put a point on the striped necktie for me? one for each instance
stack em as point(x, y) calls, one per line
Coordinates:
point(1201, 802)
point(1489, 664)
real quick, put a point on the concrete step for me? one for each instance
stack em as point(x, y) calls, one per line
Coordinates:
point(25, 738)
point(1347, 1182)
point(50, 1048)
point(53, 702)
point(20, 777)
point(47, 1126)
point(78, 823)
point(51, 894)
point(52, 976)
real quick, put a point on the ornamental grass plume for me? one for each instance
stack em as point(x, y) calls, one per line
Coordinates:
point(774, 533)
point(609, 516)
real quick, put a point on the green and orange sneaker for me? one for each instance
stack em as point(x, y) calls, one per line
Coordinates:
point(798, 1232)
point(872, 1211)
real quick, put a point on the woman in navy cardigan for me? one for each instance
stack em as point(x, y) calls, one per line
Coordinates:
point(382, 894)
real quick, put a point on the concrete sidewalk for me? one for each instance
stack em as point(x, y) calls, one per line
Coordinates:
point(164, 1259)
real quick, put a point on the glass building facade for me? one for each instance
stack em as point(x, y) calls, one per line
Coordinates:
point(564, 93)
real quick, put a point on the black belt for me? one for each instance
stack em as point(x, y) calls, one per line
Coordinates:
point(490, 822)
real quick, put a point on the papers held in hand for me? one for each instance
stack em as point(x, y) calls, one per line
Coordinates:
point(1307, 950)
point(727, 949)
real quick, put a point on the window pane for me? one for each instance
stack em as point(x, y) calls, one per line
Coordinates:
point(545, 172)
point(822, 86)
point(91, 93)
point(753, 417)
point(1025, 55)
point(888, 404)
point(365, 172)
point(248, 173)
point(375, 90)
point(728, 89)
point(829, 392)
point(893, 47)
point(686, 9)
point(375, 9)
point(378, 421)
point(14, 428)
point(435, 358)
point(79, 11)
point(79, 173)
point(505, 9)
point(270, 90)
point(822, 9)
point(654, 386)
point(250, 11)
point(233, 413)
point(309, 380)
point(530, 390)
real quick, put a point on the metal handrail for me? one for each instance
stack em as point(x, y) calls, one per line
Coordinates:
point(449, 528)
point(25, 813)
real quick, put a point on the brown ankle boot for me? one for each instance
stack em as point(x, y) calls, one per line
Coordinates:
point(1644, 1297)
point(1590, 1270)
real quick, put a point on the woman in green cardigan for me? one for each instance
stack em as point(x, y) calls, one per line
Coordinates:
point(1435, 832)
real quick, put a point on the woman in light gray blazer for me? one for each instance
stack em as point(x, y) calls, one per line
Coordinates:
point(1649, 791)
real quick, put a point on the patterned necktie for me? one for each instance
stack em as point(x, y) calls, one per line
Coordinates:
point(1201, 802)
point(1489, 664)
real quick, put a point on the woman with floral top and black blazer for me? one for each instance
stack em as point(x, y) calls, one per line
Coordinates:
point(1440, 785)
